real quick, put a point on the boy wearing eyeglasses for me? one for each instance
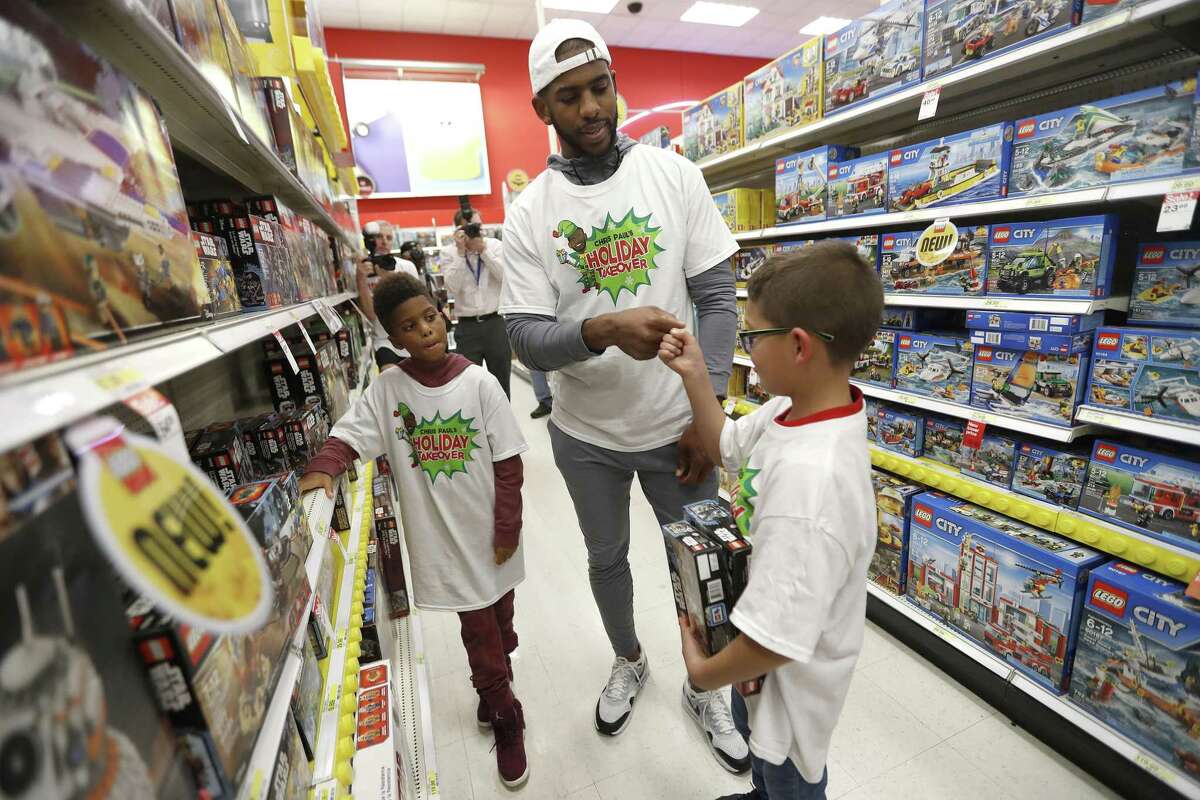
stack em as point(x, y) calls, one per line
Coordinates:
point(804, 498)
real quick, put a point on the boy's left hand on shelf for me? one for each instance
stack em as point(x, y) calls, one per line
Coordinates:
point(503, 554)
point(316, 480)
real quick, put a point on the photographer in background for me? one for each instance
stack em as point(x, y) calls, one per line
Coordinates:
point(378, 238)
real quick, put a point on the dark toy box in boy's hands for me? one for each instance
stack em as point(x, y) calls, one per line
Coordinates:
point(1032, 376)
point(696, 581)
point(901, 431)
point(1151, 372)
point(1166, 287)
point(943, 258)
point(801, 181)
point(935, 365)
point(960, 32)
point(877, 364)
point(717, 522)
point(1056, 258)
point(857, 186)
point(959, 168)
point(892, 500)
point(875, 54)
point(1050, 473)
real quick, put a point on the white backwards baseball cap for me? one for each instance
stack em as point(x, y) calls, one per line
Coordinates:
point(544, 68)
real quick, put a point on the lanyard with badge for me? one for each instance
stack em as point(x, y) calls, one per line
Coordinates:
point(477, 270)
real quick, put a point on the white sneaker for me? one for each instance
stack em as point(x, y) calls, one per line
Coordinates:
point(615, 706)
point(711, 713)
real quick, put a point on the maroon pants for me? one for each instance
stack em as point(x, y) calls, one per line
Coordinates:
point(489, 638)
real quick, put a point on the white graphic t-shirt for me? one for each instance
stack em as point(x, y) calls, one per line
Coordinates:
point(575, 252)
point(441, 443)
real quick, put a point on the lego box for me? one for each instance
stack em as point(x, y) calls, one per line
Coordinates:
point(959, 32)
point(858, 186)
point(713, 126)
point(944, 440)
point(1166, 289)
point(746, 261)
point(944, 258)
point(875, 54)
point(901, 431)
point(877, 364)
point(717, 522)
point(892, 500)
point(1049, 473)
point(993, 460)
point(801, 182)
point(1030, 382)
point(1155, 373)
point(1019, 321)
point(740, 208)
point(1056, 258)
point(960, 168)
point(934, 365)
point(697, 583)
point(872, 409)
point(785, 93)
point(1015, 589)
point(867, 245)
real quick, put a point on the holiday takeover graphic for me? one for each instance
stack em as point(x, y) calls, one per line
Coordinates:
point(743, 504)
point(439, 446)
point(617, 257)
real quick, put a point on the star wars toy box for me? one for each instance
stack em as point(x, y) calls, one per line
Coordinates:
point(215, 266)
point(1137, 665)
point(944, 440)
point(1149, 492)
point(291, 777)
point(893, 497)
point(960, 32)
point(992, 460)
point(877, 364)
point(1144, 134)
point(1031, 376)
point(901, 431)
point(377, 763)
point(1014, 589)
point(960, 168)
point(786, 93)
point(322, 378)
point(934, 365)
point(1057, 258)
point(306, 431)
point(1020, 321)
point(875, 54)
point(717, 522)
point(270, 443)
point(857, 186)
point(391, 566)
point(740, 208)
point(801, 183)
point(1166, 287)
point(697, 583)
point(713, 126)
point(944, 258)
point(1050, 473)
point(1147, 371)
point(220, 452)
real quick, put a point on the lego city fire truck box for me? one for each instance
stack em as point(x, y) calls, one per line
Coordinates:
point(697, 584)
point(713, 126)
point(1034, 377)
point(1014, 589)
point(959, 32)
point(1137, 666)
point(1144, 134)
point(1147, 371)
point(1022, 322)
point(786, 93)
point(992, 460)
point(1166, 289)
point(959, 168)
point(801, 183)
point(740, 208)
point(892, 500)
point(934, 365)
point(944, 440)
point(1149, 492)
point(1055, 258)
point(901, 431)
point(1051, 473)
point(377, 763)
point(943, 258)
point(717, 522)
point(877, 364)
point(875, 54)
point(857, 186)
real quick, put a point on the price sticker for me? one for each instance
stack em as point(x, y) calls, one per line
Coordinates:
point(120, 379)
point(1186, 184)
point(929, 103)
point(307, 339)
point(287, 351)
point(163, 418)
point(1151, 765)
point(1178, 208)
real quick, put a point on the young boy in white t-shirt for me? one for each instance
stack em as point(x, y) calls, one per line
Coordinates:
point(454, 446)
point(804, 499)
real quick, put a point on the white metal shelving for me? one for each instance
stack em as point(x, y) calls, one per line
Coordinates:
point(1033, 305)
point(742, 360)
point(1130, 422)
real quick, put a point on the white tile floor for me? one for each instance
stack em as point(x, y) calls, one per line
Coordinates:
point(907, 730)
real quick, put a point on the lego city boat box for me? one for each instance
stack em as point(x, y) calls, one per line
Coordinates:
point(740, 208)
point(1018, 321)
point(960, 32)
point(960, 168)
point(1071, 257)
point(935, 365)
point(1036, 381)
point(1013, 588)
point(714, 125)
point(1152, 493)
point(940, 259)
point(992, 460)
point(944, 440)
point(875, 54)
point(1144, 134)
point(1147, 371)
point(786, 93)
point(697, 583)
point(1050, 473)
point(857, 186)
point(877, 364)
point(1166, 288)
point(1137, 664)
point(801, 183)
point(893, 498)
point(901, 431)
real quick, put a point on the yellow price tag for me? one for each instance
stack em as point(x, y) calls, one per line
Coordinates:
point(1151, 765)
point(1186, 184)
point(119, 379)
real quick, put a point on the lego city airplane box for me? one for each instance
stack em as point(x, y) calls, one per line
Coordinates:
point(960, 168)
point(875, 54)
point(893, 498)
point(1154, 372)
point(943, 258)
point(1071, 257)
point(934, 365)
point(1137, 666)
point(713, 126)
point(786, 93)
point(1014, 589)
point(961, 32)
point(1166, 288)
point(1039, 377)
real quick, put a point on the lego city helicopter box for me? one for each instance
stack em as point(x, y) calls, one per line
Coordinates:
point(943, 258)
point(1166, 287)
point(893, 498)
point(786, 93)
point(1147, 371)
point(713, 126)
point(960, 32)
point(875, 54)
point(901, 430)
point(801, 181)
point(877, 364)
point(1031, 376)
point(1050, 473)
point(960, 168)
point(1014, 589)
point(1137, 666)
point(857, 186)
point(934, 365)
point(1055, 258)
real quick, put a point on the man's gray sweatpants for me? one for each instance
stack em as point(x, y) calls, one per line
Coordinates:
point(599, 480)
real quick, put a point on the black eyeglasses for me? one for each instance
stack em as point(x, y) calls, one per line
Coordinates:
point(746, 339)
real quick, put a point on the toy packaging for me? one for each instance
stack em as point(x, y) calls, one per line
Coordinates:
point(1057, 258)
point(1136, 666)
point(858, 186)
point(1035, 377)
point(198, 31)
point(920, 319)
point(755, 392)
point(1093, 10)
point(959, 168)
point(713, 126)
point(1155, 373)
point(867, 245)
point(1050, 473)
point(785, 93)
point(376, 758)
point(941, 259)
point(934, 365)
point(872, 409)
point(993, 460)
point(1145, 134)
point(715, 521)
point(959, 32)
point(875, 54)
point(1149, 492)
point(659, 137)
point(270, 439)
point(877, 364)
point(740, 208)
point(1019, 321)
point(892, 501)
point(901, 431)
point(221, 453)
point(391, 567)
point(213, 255)
point(745, 261)
point(242, 69)
point(697, 584)
point(944, 440)
point(1015, 589)
point(1166, 289)
point(801, 181)
point(292, 776)
point(32, 333)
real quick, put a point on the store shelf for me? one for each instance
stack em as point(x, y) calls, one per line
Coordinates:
point(1035, 305)
point(1136, 423)
point(1128, 545)
point(743, 360)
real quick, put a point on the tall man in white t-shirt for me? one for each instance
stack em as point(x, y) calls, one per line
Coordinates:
point(606, 251)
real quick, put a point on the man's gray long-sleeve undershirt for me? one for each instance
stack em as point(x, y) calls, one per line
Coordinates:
point(543, 343)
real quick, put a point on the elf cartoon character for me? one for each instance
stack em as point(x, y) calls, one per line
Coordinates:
point(577, 240)
point(406, 416)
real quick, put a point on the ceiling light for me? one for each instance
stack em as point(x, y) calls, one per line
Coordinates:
point(824, 25)
point(587, 6)
point(719, 14)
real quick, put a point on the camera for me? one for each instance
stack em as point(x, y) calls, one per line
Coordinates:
point(473, 230)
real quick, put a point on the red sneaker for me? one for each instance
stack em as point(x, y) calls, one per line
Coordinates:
point(509, 728)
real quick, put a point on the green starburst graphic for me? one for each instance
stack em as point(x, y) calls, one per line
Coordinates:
point(619, 256)
point(743, 504)
point(439, 446)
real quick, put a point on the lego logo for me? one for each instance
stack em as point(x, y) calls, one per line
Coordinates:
point(1110, 599)
point(984, 354)
point(889, 242)
point(897, 157)
point(1108, 341)
point(1001, 235)
point(1106, 453)
point(779, 166)
point(1122, 567)
point(833, 172)
point(905, 341)
point(1026, 128)
point(1153, 254)
point(923, 515)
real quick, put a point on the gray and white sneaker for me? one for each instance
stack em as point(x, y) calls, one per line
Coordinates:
point(614, 709)
point(711, 713)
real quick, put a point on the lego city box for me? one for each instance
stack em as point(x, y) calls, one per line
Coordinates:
point(943, 258)
point(944, 440)
point(935, 365)
point(746, 261)
point(960, 32)
point(893, 497)
point(867, 246)
point(740, 208)
point(872, 409)
point(901, 431)
point(697, 584)
point(1032, 381)
point(1020, 321)
point(992, 460)
point(877, 364)
point(1051, 473)
point(786, 93)
point(1166, 289)
point(1147, 371)
point(714, 125)
point(1054, 258)
point(1014, 589)
point(963, 167)
point(1092, 10)
point(801, 183)
point(857, 186)
point(875, 54)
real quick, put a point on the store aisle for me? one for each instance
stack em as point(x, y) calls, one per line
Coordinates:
point(907, 730)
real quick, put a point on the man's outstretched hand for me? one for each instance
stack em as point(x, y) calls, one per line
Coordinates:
point(692, 464)
point(636, 331)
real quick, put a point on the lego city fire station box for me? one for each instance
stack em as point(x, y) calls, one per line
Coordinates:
point(1015, 589)
point(992, 460)
point(786, 93)
point(901, 430)
point(717, 522)
point(1032, 376)
point(875, 54)
point(893, 498)
point(959, 168)
point(857, 186)
point(1137, 665)
point(877, 364)
point(944, 440)
point(1056, 258)
point(713, 126)
point(1020, 321)
point(740, 208)
point(1148, 492)
point(801, 182)
point(1144, 134)
point(697, 584)
point(934, 365)
point(1147, 371)
point(943, 258)
point(959, 32)
point(1166, 289)
point(1051, 473)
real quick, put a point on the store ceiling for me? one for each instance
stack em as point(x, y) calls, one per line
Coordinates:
point(773, 31)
